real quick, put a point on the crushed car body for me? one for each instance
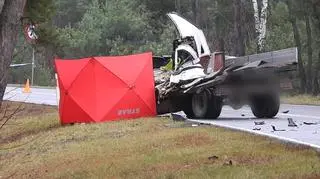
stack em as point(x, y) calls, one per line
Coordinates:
point(199, 82)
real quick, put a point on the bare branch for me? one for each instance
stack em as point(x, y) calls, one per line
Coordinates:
point(5, 112)
point(13, 174)
point(10, 91)
point(8, 99)
point(10, 116)
point(21, 51)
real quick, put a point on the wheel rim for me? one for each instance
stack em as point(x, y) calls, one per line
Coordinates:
point(199, 101)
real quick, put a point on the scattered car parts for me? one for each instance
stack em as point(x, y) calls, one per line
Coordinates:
point(286, 112)
point(276, 130)
point(291, 123)
point(310, 123)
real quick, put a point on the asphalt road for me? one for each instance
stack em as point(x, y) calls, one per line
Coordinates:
point(37, 96)
point(307, 119)
point(235, 119)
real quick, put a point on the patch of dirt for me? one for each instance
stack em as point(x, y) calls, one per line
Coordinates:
point(45, 170)
point(74, 139)
point(18, 136)
point(241, 160)
point(252, 160)
point(84, 138)
point(155, 128)
point(294, 148)
point(315, 176)
point(193, 140)
point(117, 134)
point(153, 170)
point(167, 167)
point(25, 110)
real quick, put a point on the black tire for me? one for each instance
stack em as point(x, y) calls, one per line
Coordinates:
point(215, 107)
point(200, 103)
point(206, 106)
point(265, 106)
point(187, 107)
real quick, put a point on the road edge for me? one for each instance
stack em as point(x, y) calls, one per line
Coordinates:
point(259, 133)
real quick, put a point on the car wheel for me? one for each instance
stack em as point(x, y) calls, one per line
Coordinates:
point(215, 107)
point(265, 106)
point(187, 107)
point(200, 104)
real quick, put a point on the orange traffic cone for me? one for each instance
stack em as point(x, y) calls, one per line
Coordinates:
point(26, 88)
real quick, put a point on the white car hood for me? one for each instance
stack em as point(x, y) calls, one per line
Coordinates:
point(186, 29)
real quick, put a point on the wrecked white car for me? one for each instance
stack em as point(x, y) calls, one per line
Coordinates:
point(200, 82)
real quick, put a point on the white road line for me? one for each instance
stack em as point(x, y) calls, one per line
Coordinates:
point(260, 133)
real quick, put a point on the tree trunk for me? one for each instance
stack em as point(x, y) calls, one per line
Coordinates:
point(260, 16)
point(239, 48)
point(10, 15)
point(178, 6)
point(1, 5)
point(309, 46)
point(316, 88)
point(316, 16)
point(297, 38)
point(196, 12)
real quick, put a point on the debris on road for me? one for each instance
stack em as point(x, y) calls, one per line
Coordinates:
point(310, 123)
point(205, 124)
point(259, 123)
point(277, 130)
point(257, 129)
point(286, 112)
point(291, 123)
point(177, 117)
point(243, 115)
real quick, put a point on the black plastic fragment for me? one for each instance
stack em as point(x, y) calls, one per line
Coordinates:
point(292, 123)
point(275, 130)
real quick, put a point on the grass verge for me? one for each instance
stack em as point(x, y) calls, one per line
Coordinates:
point(301, 99)
point(34, 145)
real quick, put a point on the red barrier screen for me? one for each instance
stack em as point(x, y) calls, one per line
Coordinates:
point(100, 89)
